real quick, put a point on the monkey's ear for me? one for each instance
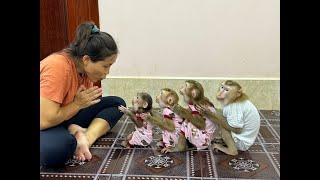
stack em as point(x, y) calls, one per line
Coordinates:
point(194, 93)
point(239, 92)
point(145, 105)
point(170, 100)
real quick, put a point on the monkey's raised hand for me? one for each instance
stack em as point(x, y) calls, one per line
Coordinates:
point(145, 116)
point(204, 110)
point(123, 109)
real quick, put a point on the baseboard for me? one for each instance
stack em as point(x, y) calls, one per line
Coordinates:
point(263, 92)
point(195, 78)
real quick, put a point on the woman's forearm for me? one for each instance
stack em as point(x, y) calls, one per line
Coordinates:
point(51, 118)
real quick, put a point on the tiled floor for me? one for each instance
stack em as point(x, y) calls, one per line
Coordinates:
point(112, 162)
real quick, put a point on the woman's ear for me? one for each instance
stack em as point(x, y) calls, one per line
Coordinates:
point(85, 60)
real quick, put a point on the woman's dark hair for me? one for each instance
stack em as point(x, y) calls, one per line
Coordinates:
point(89, 40)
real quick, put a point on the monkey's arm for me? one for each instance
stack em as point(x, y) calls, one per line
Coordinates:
point(182, 143)
point(219, 119)
point(196, 120)
point(181, 146)
point(165, 123)
point(138, 123)
point(131, 115)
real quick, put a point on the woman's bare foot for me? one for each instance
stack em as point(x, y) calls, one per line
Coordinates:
point(82, 151)
point(73, 128)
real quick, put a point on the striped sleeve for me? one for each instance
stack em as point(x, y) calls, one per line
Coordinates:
point(234, 115)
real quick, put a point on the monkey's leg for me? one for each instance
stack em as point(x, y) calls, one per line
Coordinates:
point(180, 146)
point(129, 137)
point(160, 143)
point(231, 148)
point(182, 143)
point(218, 137)
point(125, 143)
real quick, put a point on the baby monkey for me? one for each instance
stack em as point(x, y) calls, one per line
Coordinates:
point(198, 129)
point(240, 121)
point(172, 138)
point(142, 136)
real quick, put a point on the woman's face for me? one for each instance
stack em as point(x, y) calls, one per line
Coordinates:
point(97, 71)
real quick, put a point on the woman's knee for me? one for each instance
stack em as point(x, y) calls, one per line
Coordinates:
point(116, 101)
point(112, 115)
point(56, 151)
point(120, 101)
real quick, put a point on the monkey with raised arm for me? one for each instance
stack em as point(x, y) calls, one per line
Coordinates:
point(170, 123)
point(198, 129)
point(240, 121)
point(142, 136)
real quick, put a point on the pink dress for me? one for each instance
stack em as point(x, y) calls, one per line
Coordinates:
point(142, 136)
point(170, 139)
point(199, 138)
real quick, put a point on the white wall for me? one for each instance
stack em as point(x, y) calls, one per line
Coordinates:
point(194, 38)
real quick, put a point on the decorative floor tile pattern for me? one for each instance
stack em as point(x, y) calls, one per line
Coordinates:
point(112, 162)
point(234, 167)
point(91, 167)
point(148, 162)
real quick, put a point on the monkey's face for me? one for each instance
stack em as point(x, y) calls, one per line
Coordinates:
point(138, 103)
point(185, 92)
point(163, 98)
point(227, 94)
